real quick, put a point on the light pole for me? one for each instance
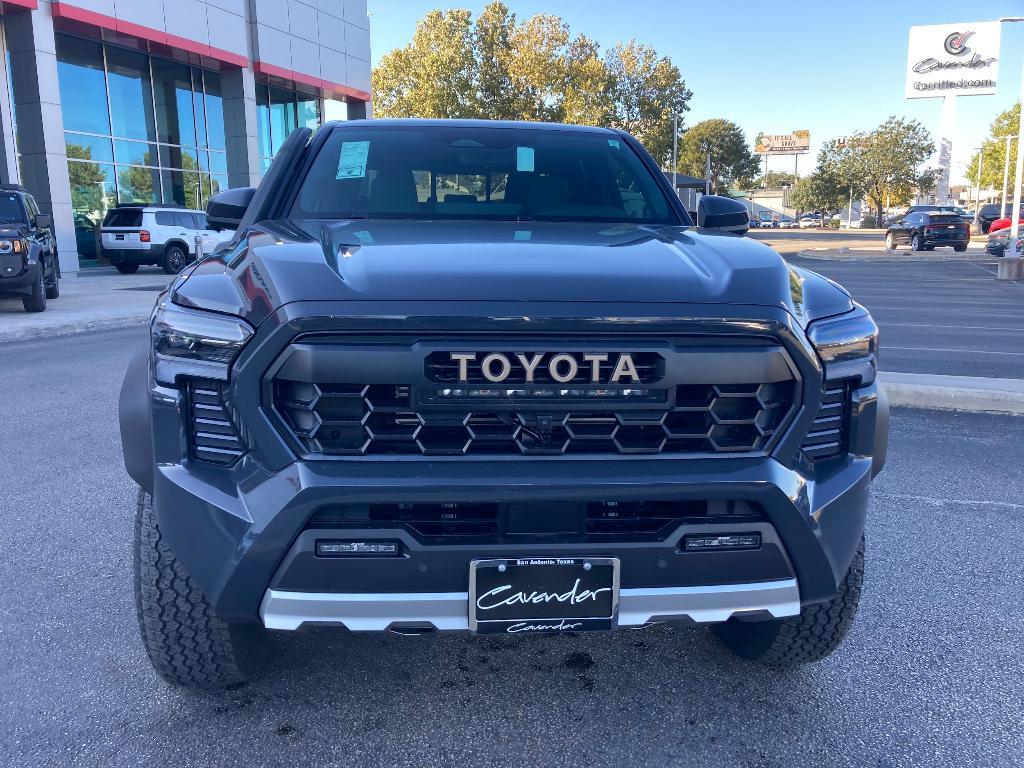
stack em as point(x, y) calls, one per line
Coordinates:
point(1006, 173)
point(977, 196)
point(675, 152)
point(1016, 270)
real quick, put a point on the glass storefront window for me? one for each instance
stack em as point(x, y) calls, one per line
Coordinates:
point(83, 90)
point(150, 100)
point(172, 84)
point(131, 94)
point(283, 117)
point(309, 112)
point(80, 146)
point(278, 113)
point(214, 110)
point(135, 153)
point(136, 184)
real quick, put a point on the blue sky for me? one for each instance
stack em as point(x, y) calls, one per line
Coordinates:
point(829, 67)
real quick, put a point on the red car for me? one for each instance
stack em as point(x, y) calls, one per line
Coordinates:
point(1004, 223)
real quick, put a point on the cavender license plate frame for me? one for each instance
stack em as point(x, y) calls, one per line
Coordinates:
point(566, 592)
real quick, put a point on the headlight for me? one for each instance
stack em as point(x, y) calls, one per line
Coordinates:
point(191, 342)
point(847, 345)
point(7, 246)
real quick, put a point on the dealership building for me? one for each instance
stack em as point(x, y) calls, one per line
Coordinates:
point(166, 101)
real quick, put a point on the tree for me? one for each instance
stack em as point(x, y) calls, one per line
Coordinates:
point(731, 158)
point(1007, 123)
point(433, 76)
point(497, 67)
point(646, 92)
point(773, 180)
point(884, 165)
point(821, 191)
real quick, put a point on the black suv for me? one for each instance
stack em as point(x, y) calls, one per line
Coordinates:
point(488, 377)
point(990, 212)
point(29, 264)
point(923, 230)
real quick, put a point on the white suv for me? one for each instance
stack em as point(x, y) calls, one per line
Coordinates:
point(164, 235)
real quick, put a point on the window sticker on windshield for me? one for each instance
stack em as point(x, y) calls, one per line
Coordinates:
point(352, 161)
point(524, 159)
point(613, 143)
point(522, 234)
point(363, 236)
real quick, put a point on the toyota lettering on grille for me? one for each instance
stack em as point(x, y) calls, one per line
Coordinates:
point(562, 367)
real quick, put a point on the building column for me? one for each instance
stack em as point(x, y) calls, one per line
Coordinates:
point(241, 136)
point(44, 162)
point(8, 145)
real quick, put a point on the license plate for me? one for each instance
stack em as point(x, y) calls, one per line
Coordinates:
point(543, 594)
point(119, 237)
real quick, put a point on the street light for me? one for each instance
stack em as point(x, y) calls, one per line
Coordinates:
point(1010, 271)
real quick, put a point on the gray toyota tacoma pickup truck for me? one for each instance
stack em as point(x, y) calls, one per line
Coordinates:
point(489, 377)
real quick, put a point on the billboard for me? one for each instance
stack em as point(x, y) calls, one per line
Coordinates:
point(795, 143)
point(953, 60)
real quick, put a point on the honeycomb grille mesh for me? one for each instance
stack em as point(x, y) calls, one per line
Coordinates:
point(354, 419)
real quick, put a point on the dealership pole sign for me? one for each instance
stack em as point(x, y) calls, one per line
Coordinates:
point(953, 60)
point(795, 143)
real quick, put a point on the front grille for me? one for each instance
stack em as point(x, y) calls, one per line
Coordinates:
point(212, 434)
point(827, 437)
point(355, 419)
point(482, 523)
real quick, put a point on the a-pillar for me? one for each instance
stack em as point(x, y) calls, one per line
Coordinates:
point(44, 162)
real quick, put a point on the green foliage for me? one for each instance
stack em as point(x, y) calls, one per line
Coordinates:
point(496, 67)
point(773, 180)
point(883, 165)
point(994, 148)
point(731, 157)
point(820, 191)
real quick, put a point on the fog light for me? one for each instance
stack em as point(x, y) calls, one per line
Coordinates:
point(702, 543)
point(358, 548)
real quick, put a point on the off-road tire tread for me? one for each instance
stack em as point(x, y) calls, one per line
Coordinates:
point(185, 642)
point(803, 639)
point(126, 267)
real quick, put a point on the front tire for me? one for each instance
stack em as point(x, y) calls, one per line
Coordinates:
point(915, 243)
point(37, 301)
point(186, 643)
point(890, 242)
point(960, 248)
point(175, 259)
point(126, 267)
point(53, 289)
point(803, 639)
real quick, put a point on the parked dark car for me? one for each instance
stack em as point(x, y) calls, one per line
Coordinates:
point(990, 212)
point(29, 265)
point(489, 377)
point(924, 230)
point(999, 241)
point(85, 236)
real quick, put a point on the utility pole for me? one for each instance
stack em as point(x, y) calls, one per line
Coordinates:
point(977, 197)
point(849, 211)
point(1010, 265)
point(675, 153)
point(1006, 173)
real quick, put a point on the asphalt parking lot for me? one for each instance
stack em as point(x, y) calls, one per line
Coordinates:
point(951, 317)
point(930, 675)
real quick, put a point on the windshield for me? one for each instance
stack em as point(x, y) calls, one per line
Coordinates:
point(11, 209)
point(458, 172)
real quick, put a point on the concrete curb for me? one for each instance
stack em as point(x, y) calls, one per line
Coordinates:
point(70, 328)
point(833, 254)
point(969, 394)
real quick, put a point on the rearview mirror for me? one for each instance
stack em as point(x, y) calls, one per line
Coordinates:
point(226, 209)
point(722, 214)
point(44, 221)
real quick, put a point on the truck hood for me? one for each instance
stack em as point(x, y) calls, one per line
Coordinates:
point(278, 262)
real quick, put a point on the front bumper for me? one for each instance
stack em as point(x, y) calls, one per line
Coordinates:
point(243, 533)
point(22, 283)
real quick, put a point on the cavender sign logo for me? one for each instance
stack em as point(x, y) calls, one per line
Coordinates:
point(952, 59)
point(561, 367)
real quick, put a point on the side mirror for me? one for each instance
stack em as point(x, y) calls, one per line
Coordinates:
point(226, 209)
point(722, 214)
point(44, 221)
